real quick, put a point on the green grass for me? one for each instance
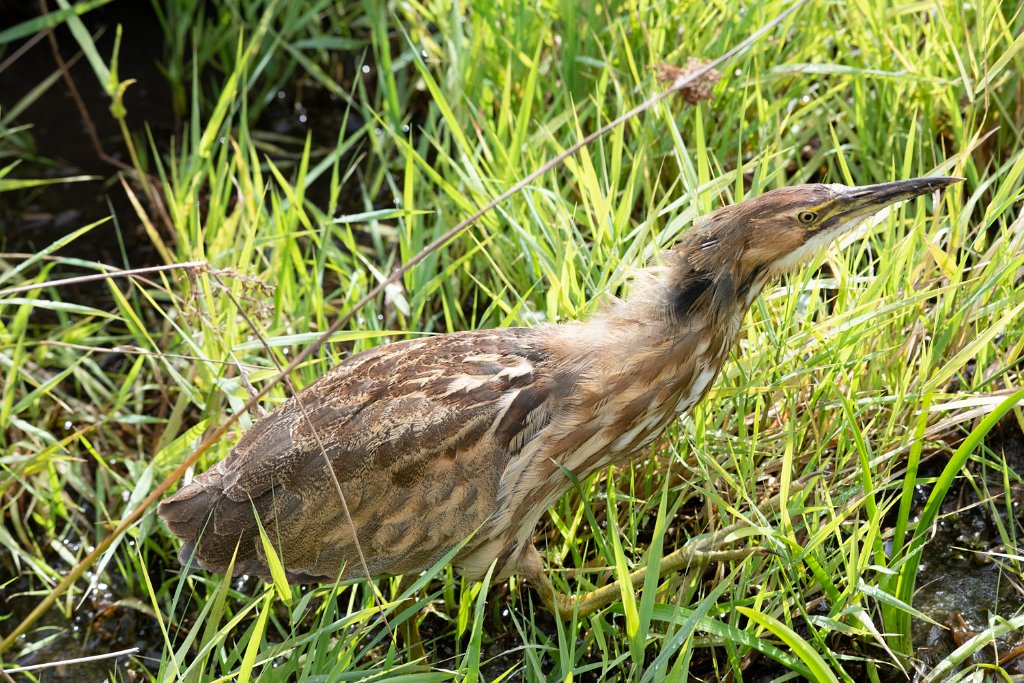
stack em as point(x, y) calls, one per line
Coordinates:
point(894, 351)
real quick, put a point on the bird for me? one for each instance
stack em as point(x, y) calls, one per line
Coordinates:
point(464, 440)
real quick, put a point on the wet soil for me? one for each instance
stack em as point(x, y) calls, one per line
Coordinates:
point(963, 584)
point(965, 579)
point(58, 144)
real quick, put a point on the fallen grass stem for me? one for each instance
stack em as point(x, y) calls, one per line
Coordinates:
point(76, 660)
point(113, 274)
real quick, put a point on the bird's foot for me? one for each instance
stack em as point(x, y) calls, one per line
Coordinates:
point(711, 548)
point(565, 607)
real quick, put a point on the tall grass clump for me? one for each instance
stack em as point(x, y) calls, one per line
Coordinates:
point(878, 390)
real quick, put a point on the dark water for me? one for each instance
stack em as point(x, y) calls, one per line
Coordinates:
point(33, 219)
point(60, 144)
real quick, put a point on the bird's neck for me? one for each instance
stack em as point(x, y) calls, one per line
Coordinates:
point(701, 314)
point(675, 308)
point(625, 374)
point(655, 354)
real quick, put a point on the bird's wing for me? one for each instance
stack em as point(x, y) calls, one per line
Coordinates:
point(418, 434)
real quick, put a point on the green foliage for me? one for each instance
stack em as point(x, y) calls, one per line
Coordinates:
point(886, 352)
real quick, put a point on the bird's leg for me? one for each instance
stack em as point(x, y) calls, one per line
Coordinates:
point(531, 567)
point(409, 629)
point(709, 549)
point(559, 604)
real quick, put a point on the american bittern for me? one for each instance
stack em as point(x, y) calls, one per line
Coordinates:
point(469, 434)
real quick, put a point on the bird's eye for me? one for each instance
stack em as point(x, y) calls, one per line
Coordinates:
point(806, 217)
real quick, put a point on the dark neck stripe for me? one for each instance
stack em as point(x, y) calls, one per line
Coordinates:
point(684, 299)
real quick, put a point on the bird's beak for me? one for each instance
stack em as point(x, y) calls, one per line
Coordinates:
point(855, 203)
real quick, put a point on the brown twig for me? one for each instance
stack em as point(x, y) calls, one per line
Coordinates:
point(132, 517)
point(129, 350)
point(90, 128)
point(684, 81)
point(114, 273)
point(1013, 654)
point(23, 48)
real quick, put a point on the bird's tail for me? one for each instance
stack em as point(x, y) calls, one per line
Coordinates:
point(216, 530)
point(183, 512)
point(188, 513)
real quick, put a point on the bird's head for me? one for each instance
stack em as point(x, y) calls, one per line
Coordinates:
point(736, 249)
point(782, 229)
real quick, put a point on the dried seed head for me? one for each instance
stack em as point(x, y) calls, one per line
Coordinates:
point(693, 92)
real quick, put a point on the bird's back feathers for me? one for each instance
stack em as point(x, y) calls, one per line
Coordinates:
point(426, 424)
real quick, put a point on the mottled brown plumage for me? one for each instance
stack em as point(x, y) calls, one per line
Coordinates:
point(437, 439)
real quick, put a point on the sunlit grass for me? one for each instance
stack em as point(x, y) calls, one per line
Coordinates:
point(885, 352)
